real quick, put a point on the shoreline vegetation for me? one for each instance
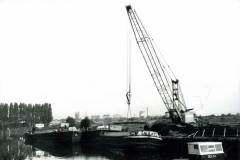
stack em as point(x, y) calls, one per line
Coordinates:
point(17, 118)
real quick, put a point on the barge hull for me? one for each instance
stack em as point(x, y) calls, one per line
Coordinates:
point(64, 137)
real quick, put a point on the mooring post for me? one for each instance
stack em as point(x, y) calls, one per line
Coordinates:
point(224, 132)
point(213, 133)
point(203, 133)
point(9, 132)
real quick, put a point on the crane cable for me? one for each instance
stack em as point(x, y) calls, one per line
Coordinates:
point(164, 60)
point(128, 94)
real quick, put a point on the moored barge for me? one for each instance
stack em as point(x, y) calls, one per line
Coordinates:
point(144, 140)
point(52, 136)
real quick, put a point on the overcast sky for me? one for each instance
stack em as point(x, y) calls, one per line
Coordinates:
point(73, 54)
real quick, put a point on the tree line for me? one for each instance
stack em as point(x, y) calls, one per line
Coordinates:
point(15, 113)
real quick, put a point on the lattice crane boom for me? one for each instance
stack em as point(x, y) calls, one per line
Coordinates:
point(165, 82)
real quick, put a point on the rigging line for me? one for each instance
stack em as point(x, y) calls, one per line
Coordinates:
point(162, 67)
point(127, 64)
point(150, 38)
point(182, 101)
point(130, 16)
point(129, 59)
point(147, 47)
point(138, 32)
point(163, 59)
point(182, 98)
point(150, 61)
point(128, 94)
point(155, 54)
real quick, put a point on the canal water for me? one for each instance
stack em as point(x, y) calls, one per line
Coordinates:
point(18, 150)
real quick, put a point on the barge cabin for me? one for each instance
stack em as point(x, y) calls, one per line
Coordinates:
point(205, 151)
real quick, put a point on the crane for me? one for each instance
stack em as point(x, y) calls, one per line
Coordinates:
point(164, 79)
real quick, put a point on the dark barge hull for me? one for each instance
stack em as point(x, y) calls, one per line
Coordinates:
point(143, 143)
point(103, 139)
point(64, 137)
point(119, 140)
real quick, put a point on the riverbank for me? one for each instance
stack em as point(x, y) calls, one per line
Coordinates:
point(12, 133)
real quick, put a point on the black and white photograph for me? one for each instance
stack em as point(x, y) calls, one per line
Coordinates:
point(120, 80)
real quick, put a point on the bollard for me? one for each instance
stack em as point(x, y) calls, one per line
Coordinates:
point(213, 133)
point(224, 132)
point(203, 133)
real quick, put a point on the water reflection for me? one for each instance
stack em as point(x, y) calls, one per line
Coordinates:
point(18, 150)
point(14, 149)
point(79, 153)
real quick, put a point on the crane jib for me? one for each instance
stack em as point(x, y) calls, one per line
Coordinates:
point(167, 86)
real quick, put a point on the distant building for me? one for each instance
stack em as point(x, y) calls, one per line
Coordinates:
point(77, 116)
point(64, 125)
point(39, 125)
point(117, 116)
point(142, 114)
point(55, 122)
point(95, 117)
point(106, 116)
